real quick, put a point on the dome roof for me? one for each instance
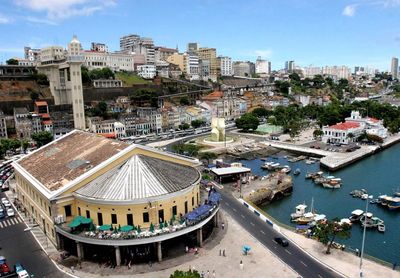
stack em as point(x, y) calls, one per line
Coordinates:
point(75, 40)
point(140, 177)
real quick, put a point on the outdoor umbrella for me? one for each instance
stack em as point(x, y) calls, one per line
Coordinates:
point(151, 227)
point(126, 228)
point(105, 227)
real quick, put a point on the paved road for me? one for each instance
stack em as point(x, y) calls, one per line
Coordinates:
point(298, 260)
point(19, 246)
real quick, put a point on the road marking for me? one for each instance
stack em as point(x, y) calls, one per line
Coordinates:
point(1, 224)
point(252, 224)
point(262, 232)
point(12, 221)
point(234, 209)
point(242, 215)
point(320, 276)
point(226, 204)
point(303, 263)
point(287, 251)
point(274, 241)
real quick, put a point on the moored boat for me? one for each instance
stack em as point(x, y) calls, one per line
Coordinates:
point(356, 215)
point(300, 210)
point(297, 172)
point(381, 228)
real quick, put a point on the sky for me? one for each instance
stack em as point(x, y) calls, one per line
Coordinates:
point(310, 32)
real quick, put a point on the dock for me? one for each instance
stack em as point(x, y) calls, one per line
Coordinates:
point(335, 160)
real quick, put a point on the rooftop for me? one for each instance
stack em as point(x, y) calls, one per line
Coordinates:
point(140, 177)
point(214, 95)
point(67, 158)
point(345, 125)
point(230, 170)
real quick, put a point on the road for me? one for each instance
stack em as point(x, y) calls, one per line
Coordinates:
point(293, 256)
point(19, 246)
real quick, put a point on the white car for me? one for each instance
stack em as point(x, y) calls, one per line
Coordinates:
point(6, 203)
point(10, 212)
point(3, 199)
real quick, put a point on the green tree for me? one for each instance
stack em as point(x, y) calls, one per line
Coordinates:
point(85, 75)
point(207, 156)
point(42, 138)
point(34, 96)
point(185, 274)
point(184, 101)
point(24, 144)
point(294, 76)
point(197, 123)
point(186, 149)
point(12, 62)
point(41, 78)
point(247, 122)
point(374, 138)
point(261, 112)
point(15, 144)
point(327, 232)
point(318, 133)
point(294, 127)
point(184, 126)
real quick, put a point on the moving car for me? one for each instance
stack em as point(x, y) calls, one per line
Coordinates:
point(10, 212)
point(4, 269)
point(21, 271)
point(281, 241)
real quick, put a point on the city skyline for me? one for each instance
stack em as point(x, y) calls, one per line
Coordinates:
point(309, 33)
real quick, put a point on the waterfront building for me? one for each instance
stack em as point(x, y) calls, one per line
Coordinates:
point(395, 68)
point(63, 69)
point(116, 61)
point(103, 184)
point(372, 126)
point(226, 65)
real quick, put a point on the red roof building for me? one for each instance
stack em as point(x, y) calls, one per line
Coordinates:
point(345, 126)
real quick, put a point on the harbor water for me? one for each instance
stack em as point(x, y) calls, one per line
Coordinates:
point(378, 174)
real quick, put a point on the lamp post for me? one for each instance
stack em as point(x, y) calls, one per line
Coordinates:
point(363, 239)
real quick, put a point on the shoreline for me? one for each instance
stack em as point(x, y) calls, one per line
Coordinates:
point(339, 261)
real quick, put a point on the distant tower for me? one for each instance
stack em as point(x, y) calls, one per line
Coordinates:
point(64, 73)
point(395, 68)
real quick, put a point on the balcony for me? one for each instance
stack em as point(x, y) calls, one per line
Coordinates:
point(117, 237)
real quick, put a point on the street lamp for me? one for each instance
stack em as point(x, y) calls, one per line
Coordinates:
point(363, 239)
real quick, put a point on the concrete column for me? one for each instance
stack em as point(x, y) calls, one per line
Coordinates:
point(117, 256)
point(159, 252)
point(200, 237)
point(79, 249)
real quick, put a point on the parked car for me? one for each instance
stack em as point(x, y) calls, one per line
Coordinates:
point(6, 203)
point(2, 214)
point(10, 212)
point(21, 271)
point(281, 241)
point(4, 269)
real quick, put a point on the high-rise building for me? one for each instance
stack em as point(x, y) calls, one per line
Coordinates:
point(289, 66)
point(226, 65)
point(244, 69)
point(206, 53)
point(129, 42)
point(395, 68)
point(63, 69)
point(138, 45)
point(192, 47)
point(262, 67)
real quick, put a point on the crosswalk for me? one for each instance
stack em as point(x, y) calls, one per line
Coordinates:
point(10, 222)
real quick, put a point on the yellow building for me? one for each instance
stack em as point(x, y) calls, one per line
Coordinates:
point(179, 60)
point(108, 183)
point(206, 53)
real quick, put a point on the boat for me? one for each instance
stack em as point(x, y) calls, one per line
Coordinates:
point(369, 221)
point(314, 175)
point(263, 159)
point(286, 169)
point(364, 196)
point(305, 219)
point(356, 215)
point(331, 185)
point(346, 221)
point(270, 165)
point(381, 228)
point(309, 161)
point(300, 210)
point(297, 172)
point(392, 202)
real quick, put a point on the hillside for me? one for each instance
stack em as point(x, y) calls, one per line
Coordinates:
point(21, 90)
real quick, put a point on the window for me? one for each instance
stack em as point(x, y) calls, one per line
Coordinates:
point(67, 210)
point(87, 214)
point(161, 215)
point(145, 217)
point(99, 218)
point(186, 207)
point(79, 211)
point(129, 219)
point(49, 210)
point(192, 201)
point(113, 218)
point(174, 210)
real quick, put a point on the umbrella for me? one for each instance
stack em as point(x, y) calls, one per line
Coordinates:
point(85, 220)
point(246, 249)
point(165, 224)
point(151, 227)
point(126, 228)
point(161, 225)
point(105, 227)
point(74, 223)
point(173, 217)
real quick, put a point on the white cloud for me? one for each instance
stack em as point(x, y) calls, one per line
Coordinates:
point(40, 20)
point(264, 53)
point(4, 20)
point(61, 9)
point(349, 10)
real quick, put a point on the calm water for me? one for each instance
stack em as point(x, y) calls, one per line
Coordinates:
point(378, 174)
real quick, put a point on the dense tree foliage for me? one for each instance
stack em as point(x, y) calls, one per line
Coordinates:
point(327, 231)
point(261, 112)
point(12, 62)
point(247, 122)
point(185, 274)
point(184, 101)
point(208, 156)
point(143, 97)
point(90, 75)
point(42, 138)
point(184, 126)
point(186, 149)
point(197, 123)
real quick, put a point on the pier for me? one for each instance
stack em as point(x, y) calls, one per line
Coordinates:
point(335, 160)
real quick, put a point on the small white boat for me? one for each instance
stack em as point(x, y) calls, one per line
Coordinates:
point(300, 210)
point(356, 215)
point(297, 172)
point(286, 169)
point(364, 196)
point(381, 227)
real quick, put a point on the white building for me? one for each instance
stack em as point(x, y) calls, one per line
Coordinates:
point(226, 66)
point(147, 71)
point(311, 71)
point(263, 67)
point(114, 61)
point(3, 125)
point(395, 68)
point(139, 45)
point(192, 66)
point(106, 127)
point(341, 72)
point(372, 126)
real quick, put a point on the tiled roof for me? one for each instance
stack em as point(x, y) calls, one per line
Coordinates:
point(345, 125)
point(374, 120)
point(138, 178)
point(64, 160)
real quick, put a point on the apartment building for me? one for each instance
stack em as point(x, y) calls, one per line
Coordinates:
point(226, 65)
point(115, 61)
